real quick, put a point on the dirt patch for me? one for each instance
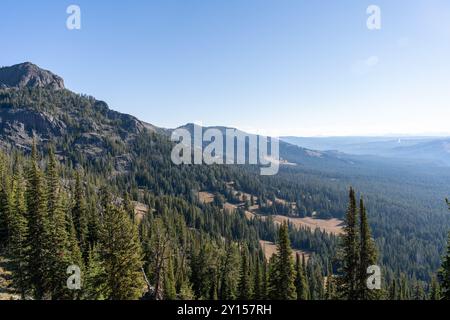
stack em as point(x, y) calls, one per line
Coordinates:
point(205, 197)
point(140, 210)
point(250, 215)
point(332, 226)
point(270, 248)
point(230, 207)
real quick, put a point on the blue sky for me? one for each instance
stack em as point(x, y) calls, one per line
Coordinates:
point(280, 67)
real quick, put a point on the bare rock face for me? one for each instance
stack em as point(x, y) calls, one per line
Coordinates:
point(28, 75)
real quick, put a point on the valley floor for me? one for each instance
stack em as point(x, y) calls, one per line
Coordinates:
point(331, 226)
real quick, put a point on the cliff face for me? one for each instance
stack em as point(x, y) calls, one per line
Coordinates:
point(28, 75)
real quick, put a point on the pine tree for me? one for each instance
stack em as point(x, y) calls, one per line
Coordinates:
point(121, 254)
point(227, 289)
point(128, 206)
point(350, 252)
point(59, 254)
point(94, 286)
point(264, 281)
point(39, 240)
point(283, 273)
point(93, 228)
point(404, 292)
point(316, 280)
point(257, 284)
point(304, 267)
point(79, 216)
point(393, 291)
point(244, 291)
point(4, 203)
point(444, 274)
point(18, 248)
point(157, 252)
point(330, 290)
point(6, 208)
point(435, 290)
point(367, 256)
point(76, 257)
point(300, 280)
point(186, 292)
point(419, 292)
point(272, 279)
point(213, 279)
point(170, 292)
point(74, 249)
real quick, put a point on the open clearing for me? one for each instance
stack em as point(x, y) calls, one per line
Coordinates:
point(332, 226)
point(140, 210)
point(270, 248)
point(205, 197)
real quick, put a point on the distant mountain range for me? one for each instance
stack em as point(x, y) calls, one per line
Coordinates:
point(435, 149)
point(291, 154)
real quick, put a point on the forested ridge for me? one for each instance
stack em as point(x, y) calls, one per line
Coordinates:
point(79, 184)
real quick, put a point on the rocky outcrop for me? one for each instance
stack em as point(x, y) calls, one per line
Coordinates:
point(28, 75)
point(19, 126)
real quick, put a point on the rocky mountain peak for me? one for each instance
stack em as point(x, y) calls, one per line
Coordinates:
point(29, 75)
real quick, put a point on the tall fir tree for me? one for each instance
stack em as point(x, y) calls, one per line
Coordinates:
point(435, 290)
point(76, 257)
point(367, 256)
point(330, 289)
point(444, 274)
point(264, 281)
point(283, 273)
point(257, 283)
point(59, 254)
point(300, 280)
point(393, 290)
point(79, 216)
point(39, 240)
point(169, 291)
point(121, 253)
point(4, 203)
point(316, 280)
point(227, 289)
point(419, 292)
point(18, 248)
point(350, 252)
point(244, 290)
point(6, 207)
point(304, 267)
point(94, 286)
